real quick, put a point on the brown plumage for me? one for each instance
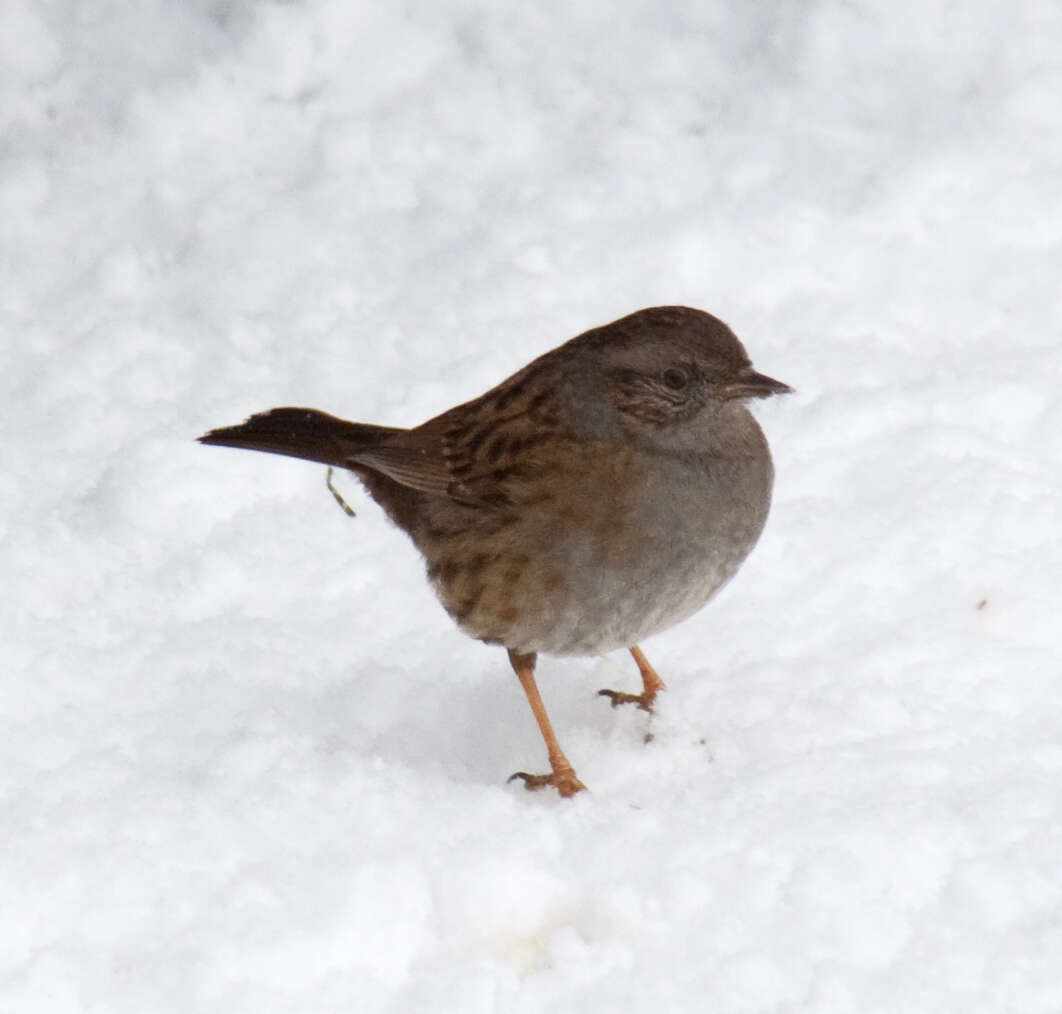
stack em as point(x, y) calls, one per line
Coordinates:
point(601, 494)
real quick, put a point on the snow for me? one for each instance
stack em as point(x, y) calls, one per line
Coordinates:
point(246, 761)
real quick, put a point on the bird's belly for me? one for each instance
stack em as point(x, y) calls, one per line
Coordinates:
point(611, 573)
point(600, 607)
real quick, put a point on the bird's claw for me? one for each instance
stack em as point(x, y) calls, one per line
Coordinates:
point(644, 700)
point(564, 781)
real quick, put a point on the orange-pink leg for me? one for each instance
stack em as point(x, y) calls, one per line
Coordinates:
point(652, 684)
point(562, 777)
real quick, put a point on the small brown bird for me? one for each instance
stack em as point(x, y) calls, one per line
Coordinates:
point(601, 494)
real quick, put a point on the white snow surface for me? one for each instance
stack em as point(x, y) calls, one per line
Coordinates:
point(246, 761)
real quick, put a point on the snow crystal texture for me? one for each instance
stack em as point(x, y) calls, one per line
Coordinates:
point(246, 761)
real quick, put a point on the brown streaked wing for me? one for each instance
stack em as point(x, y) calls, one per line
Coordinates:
point(476, 453)
point(492, 444)
point(414, 458)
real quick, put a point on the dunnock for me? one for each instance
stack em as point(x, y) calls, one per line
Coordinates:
point(601, 494)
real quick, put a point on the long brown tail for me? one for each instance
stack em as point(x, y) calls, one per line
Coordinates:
point(301, 433)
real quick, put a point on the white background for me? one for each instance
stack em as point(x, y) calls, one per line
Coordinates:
point(246, 761)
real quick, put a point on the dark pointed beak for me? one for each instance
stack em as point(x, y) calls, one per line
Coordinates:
point(750, 384)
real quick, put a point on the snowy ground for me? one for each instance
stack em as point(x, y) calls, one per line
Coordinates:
point(248, 764)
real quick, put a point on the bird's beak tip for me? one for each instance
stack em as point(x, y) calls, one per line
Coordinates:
point(751, 384)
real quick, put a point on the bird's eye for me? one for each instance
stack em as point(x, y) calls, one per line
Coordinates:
point(676, 378)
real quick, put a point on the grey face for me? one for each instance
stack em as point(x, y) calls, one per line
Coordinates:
point(666, 375)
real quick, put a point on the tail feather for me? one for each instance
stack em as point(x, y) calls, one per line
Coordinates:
point(301, 433)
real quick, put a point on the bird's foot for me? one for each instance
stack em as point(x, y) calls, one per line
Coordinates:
point(652, 684)
point(562, 778)
point(644, 700)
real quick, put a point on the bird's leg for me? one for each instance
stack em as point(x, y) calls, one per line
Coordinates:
point(651, 685)
point(562, 777)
